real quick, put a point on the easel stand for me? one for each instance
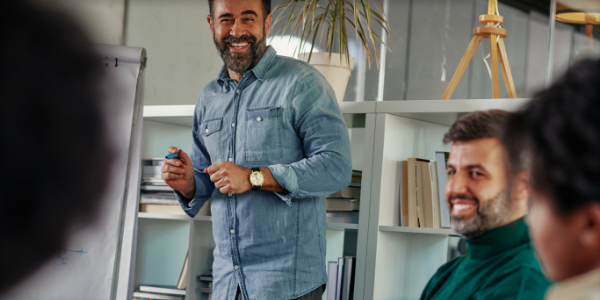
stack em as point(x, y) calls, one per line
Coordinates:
point(497, 51)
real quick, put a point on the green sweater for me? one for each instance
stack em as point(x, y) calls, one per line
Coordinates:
point(500, 265)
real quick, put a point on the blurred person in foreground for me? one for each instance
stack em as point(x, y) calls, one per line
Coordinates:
point(487, 208)
point(54, 146)
point(560, 130)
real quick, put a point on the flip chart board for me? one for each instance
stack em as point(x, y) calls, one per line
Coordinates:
point(98, 261)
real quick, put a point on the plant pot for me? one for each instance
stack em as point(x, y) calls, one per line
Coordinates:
point(337, 73)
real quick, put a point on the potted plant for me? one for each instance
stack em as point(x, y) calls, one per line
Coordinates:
point(324, 23)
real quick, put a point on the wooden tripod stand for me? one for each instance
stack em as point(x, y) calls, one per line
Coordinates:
point(497, 51)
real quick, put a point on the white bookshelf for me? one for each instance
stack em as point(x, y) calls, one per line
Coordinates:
point(170, 125)
point(393, 262)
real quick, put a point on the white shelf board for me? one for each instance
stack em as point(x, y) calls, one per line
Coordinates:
point(358, 107)
point(144, 215)
point(342, 226)
point(445, 112)
point(182, 115)
point(436, 231)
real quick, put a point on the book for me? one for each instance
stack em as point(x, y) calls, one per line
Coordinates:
point(158, 188)
point(207, 278)
point(435, 195)
point(348, 285)
point(427, 196)
point(152, 170)
point(339, 280)
point(172, 209)
point(144, 295)
point(442, 162)
point(182, 282)
point(413, 220)
point(342, 204)
point(169, 290)
point(404, 194)
point(420, 197)
point(349, 192)
point(332, 268)
point(349, 217)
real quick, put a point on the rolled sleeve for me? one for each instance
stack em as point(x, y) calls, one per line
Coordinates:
point(319, 122)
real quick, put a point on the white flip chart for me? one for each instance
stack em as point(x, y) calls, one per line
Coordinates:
point(98, 262)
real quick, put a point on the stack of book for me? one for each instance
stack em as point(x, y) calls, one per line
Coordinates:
point(340, 282)
point(207, 285)
point(152, 292)
point(422, 193)
point(345, 204)
point(156, 196)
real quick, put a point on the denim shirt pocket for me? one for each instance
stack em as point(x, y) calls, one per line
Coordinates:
point(263, 134)
point(209, 130)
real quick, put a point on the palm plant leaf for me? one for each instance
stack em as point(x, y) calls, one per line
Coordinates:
point(329, 20)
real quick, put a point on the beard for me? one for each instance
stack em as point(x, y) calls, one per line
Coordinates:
point(489, 215)
point(241, 62)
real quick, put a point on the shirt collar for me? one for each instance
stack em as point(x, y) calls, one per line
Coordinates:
point(498, 240)
point(260, 70)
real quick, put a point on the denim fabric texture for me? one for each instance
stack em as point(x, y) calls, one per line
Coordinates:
point(282, 115)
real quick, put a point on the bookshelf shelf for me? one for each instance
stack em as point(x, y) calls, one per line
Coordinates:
point(342, 226)
point(436, 231)
point(144, 215)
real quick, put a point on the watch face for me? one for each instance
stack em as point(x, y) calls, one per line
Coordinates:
point(257, 178)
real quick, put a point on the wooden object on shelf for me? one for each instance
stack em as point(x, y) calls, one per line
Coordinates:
point(589, 19)
point(497, 51)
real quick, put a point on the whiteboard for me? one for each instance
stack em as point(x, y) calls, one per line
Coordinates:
point(98, 261)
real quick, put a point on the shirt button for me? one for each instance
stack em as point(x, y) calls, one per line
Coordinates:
point(231, 159)
point(236, 267)
point(259, 119)
point(238, 91)
point(232, 231)
point(233, 125)
point(206, 130)
point(229, 195)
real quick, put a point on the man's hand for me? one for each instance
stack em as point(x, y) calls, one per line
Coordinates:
point(229, 177)
point(178, 173)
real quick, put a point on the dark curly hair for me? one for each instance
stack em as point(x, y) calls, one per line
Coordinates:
point(55, 150)
point(560, 129)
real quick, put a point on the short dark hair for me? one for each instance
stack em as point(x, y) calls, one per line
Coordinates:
point(56, 153)
point(266, 7)
point(477, 125)
point(560, 128)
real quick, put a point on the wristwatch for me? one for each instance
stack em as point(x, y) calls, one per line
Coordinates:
point(256, 179)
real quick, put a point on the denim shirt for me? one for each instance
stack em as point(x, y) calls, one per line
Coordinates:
point(282, 115)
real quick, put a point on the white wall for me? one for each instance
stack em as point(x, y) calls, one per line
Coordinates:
point(182, 57)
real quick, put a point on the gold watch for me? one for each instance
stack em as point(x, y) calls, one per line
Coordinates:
point(256, 179)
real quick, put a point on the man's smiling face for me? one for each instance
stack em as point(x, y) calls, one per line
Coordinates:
point(477, 192)
point(239, 30)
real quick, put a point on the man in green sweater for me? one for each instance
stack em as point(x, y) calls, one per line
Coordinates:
point(488, 202)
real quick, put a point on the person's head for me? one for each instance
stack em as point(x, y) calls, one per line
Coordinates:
point(482, 193)
point(55, 152)
point(240, 29)
point(560, 128)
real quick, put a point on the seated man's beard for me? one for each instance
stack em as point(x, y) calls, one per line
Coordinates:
point(489, 215)
point(240, 62)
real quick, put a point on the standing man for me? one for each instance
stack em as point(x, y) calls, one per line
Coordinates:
point(269, 143)
point(487, 201)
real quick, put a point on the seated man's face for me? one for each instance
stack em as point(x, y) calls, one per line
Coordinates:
point(477, 193)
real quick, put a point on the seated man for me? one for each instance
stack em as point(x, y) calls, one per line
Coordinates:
point(487, 208)
point(561, 127)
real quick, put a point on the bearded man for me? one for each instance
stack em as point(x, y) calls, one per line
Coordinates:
point(488, 202)
point(270, 143)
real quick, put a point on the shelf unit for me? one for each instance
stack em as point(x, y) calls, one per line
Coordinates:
point(393, 262)
point(167, 125)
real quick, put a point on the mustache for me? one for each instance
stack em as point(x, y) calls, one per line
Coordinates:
point(463, 197)
point(244, 38)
